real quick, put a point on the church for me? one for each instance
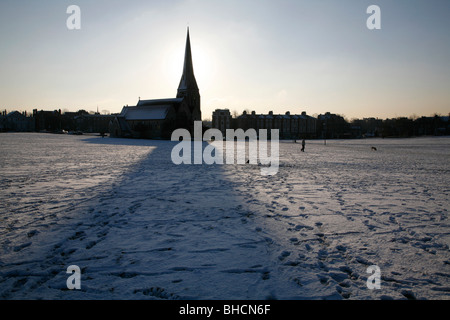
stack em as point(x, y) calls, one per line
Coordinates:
point(156, 119)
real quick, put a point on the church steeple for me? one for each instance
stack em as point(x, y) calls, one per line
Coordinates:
point(188, 88)
point(187, 81)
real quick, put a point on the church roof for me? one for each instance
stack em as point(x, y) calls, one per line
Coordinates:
point(159, 102)
point(147, 112)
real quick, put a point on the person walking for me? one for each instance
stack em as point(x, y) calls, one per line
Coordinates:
point(303, 145)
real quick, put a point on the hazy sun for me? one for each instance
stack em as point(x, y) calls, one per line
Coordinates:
point(202, 58)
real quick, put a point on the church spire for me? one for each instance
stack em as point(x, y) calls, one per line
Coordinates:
point(187, 81)
point(188, 89)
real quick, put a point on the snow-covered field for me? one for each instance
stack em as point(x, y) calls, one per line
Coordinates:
point(140, 227)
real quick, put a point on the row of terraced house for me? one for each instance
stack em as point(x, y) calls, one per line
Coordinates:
point(331, 126)
point(290, 126)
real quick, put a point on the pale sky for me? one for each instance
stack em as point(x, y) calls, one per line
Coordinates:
point(288, 55)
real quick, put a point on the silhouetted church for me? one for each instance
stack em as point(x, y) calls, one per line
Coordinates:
point(158, 118)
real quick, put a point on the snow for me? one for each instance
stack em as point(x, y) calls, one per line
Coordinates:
point(141, 227)
point(153, 112)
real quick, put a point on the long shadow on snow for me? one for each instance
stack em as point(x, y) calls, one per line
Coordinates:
point(164, 231)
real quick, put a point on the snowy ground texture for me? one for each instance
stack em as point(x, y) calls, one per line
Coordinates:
point(140, 227)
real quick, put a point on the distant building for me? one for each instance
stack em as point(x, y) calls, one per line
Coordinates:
point(432, 126)
point(158, 118)
point(17, 121)
point(90, 123)
point(333, 126)
point(366, 127)
point(290, 126)
point(3, 125)
point(49, 121)
point(221, 119)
